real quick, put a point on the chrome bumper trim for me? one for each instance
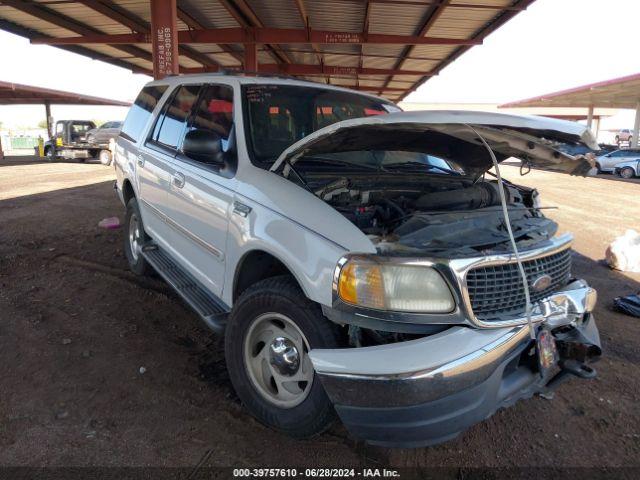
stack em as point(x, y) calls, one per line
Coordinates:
point(388, 390)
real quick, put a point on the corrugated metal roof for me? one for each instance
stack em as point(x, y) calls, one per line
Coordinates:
point(15, 93)
point(622, 92)
point(444, 19)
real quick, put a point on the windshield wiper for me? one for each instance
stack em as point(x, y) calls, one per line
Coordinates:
point(416, 166)
point(317, 159)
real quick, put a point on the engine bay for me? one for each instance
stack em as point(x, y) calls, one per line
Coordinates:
point(435, 214)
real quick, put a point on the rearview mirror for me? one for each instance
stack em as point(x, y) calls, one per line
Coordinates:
point(203, 146)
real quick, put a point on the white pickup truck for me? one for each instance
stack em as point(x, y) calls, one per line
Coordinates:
point(355, 256)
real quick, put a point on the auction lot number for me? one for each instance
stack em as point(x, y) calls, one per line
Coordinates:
point(314, 473)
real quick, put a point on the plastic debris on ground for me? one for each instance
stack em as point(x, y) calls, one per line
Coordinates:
point(109, 223)
point(629, 305)
point(624, 252)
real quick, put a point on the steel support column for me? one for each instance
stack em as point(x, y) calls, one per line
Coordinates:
point(164, 38)
point(636, 127)
point(590, 117)
point(47, 111)
point(251, 57)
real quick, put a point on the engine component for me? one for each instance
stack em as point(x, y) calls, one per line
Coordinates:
point(480, 195)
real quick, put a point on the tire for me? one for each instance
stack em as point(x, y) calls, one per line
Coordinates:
point(279, 300)
point(599, 168)
point(51, 154)
point(105, 157)
point(627, 172)
point(134, 238)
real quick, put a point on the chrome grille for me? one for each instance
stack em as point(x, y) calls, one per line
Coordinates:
point(496, 291)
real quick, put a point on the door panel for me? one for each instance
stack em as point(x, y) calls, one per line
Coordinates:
point(155, 162)
point(200, 197)
point(198, 210)
point(153, 172)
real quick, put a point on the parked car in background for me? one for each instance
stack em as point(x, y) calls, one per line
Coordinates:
point(104, 133)
point(580, 149)
point(607, 163)
point(628, 169)
point(624, 135)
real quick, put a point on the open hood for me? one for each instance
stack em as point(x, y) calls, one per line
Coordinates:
point(448, 135)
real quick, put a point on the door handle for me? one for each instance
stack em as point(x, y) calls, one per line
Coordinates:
point(140, 161)
point(178, 180)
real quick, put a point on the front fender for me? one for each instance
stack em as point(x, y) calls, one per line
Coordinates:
point(309, 256)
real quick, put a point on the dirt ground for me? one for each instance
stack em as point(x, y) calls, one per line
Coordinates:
point(77, 330)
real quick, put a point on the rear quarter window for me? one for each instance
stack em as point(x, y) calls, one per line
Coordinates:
point(140, 111)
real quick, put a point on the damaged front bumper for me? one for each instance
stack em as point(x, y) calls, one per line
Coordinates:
point(426, 391)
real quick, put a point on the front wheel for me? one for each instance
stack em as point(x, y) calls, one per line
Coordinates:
point(271, 330)
point(627, 172)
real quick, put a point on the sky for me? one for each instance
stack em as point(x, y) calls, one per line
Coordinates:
point(553, 45)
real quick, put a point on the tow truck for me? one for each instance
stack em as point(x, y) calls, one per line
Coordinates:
point(70, 142)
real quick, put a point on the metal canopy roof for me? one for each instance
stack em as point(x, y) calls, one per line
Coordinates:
point(16, 94)
point(389, 47)
point(621, 92)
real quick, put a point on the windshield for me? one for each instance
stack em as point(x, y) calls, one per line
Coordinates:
point(389, 160)
point(277, 116)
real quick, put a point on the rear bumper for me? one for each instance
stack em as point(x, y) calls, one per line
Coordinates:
point(479, 372)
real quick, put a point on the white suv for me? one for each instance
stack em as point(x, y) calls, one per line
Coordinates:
point(355, 256)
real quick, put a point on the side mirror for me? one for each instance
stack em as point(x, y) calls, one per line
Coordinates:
point(203, 146)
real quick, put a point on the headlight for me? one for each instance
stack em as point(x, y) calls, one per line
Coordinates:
point(400, 288)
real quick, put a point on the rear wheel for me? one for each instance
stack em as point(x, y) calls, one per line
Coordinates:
point(105, 157)
point(135, 237)
point(271, 330)
point(627, 172)
point(599, 168)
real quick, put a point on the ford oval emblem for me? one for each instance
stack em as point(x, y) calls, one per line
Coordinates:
point(541, 283)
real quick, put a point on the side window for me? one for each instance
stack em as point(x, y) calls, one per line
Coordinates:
point(107, 125)
point(59, 128)
point(214, 112)
point(171, 123)
point(140, 111)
